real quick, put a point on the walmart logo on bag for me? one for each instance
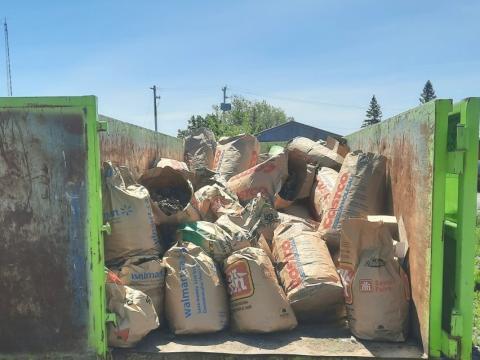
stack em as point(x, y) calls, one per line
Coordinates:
point(147, 276)
point(124, 210)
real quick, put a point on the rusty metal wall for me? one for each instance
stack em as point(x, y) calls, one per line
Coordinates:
point(136, 147)
point(407, 141)
point(43, 279)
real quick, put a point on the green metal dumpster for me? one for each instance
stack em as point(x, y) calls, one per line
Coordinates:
point(51, 246)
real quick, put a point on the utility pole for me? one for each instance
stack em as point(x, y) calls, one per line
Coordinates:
point(155, 98)
point(224, 89)
point(7, 60)
point(224, 106)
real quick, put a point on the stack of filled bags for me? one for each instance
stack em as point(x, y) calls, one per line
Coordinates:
point(253, 242)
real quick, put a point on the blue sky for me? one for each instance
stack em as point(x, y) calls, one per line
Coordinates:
point(320, 61)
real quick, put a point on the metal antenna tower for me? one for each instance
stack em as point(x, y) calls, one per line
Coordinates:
point(7, 60)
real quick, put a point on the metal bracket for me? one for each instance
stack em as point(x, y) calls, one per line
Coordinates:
point(111, 317)
point(102, 126)
point(449, 229)
point(449, 346)
point(462, 143)
point(455, 162)
point(106, 228)
point(456, 324)
point(455, 159)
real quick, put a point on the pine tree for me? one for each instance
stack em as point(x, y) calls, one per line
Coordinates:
point(374, 113)
point(428, 93)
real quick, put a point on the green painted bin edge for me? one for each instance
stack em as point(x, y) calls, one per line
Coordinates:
point(455, 342)
point(97, 341)
point(96, 259)
point(442, 108)
point(461, 223)
point(470, 117)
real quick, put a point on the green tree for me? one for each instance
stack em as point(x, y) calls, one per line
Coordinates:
point(246, 116)
point(428, 93)
point(210, 121)
point(374, 113)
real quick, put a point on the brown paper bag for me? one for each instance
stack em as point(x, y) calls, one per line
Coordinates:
point(299, 209)
point(307, 185)
point(213, 201)
point(284, 217)
point(178, 166)
point(263, 244)
point(389, 221)
point(196, 300)
point(146, 274)
point(341, 149)
point(233, 226)
point(200, 149)
point(265, 178)
point(263, 157)
point(306, 272)
point(281, 203)
point(377, 291)
point(258, 218)
point(294, 184)
point(358, 192)
point(302, 168)
point(306, 151)
point(135, 313)
point(171, 194)
point(257, 303)
point(128, 211)
point(321, 190)
point(236, 154)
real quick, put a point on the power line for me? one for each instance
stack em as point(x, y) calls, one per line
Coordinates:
point(313, 102)
point(304, 101)
point(7, 60)
point(248, 92)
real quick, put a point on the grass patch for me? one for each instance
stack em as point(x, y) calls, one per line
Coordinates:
point(476, 319)
point(477, 262)
point(476, 299)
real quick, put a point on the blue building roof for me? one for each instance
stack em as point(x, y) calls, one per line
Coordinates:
point(292, 129)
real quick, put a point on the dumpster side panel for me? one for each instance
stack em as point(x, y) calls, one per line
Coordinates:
point(136, 147)
point(407, 142)
point(43, 217)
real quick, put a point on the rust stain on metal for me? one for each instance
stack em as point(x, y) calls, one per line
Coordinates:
point(136, 147)
point(124, 151)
